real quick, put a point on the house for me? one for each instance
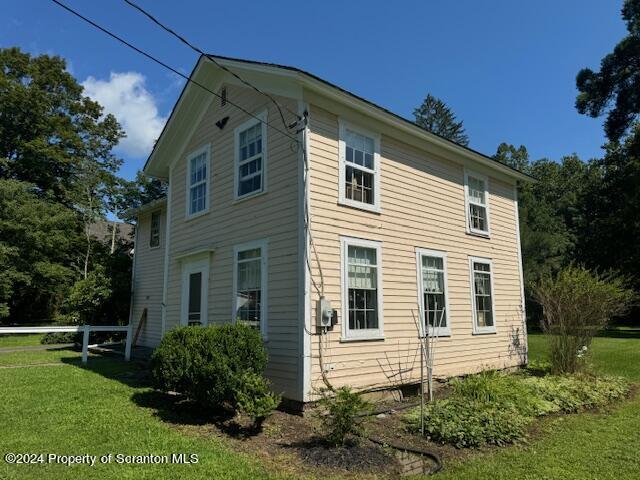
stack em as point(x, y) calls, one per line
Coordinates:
point(337, 228)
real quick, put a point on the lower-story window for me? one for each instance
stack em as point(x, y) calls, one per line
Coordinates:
point(362, 289)
point(482, 295)
point(432, 287)
point(195, 281)
point(250, 284)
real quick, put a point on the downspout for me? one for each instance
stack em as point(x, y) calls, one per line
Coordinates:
point(522, 298)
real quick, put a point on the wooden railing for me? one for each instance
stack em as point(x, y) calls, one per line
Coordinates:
point(85, 329)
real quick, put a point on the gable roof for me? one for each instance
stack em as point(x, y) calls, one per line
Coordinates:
point(340, 94)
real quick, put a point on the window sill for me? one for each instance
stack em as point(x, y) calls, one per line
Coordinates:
point(360, 206)
point(154, 248)
point(373, 338)
point(486, 235)
point(488, 331)
point(188, 218)
point(248, 197)
point(439, 334)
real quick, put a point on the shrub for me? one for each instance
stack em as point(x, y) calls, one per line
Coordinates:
point(495, 408)
point(255, 399)
point(343, 420)
point(54, 338)
point(576, 305)
point(216, 366)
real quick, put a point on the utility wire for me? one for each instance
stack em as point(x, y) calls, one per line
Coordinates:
point(215, 61)
point(168, 67)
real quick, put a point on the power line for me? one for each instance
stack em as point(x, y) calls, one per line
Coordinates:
point(215, 61)
point(168, 67)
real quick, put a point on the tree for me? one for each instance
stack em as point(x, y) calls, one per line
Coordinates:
point(138, 192)
point(39, 239)
point(615, 89)
point(435, 116)
point(48, 129)
point(517, 158)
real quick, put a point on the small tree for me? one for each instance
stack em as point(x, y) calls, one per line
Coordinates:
point(343, 421)
point(577, 304)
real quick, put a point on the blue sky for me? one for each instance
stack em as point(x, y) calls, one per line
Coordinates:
point(507, 68)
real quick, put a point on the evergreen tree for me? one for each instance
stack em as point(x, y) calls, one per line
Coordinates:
point(434, 115)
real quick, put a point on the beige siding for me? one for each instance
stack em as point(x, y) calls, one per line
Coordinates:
point(422, 205)
point(272, 216)
point(148, 280)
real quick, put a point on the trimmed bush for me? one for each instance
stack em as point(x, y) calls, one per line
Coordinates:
point(343, 422)
point(495, 408)
point(216, 366)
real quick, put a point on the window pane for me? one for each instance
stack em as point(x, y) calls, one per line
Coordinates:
point(476, 190)
point(478, 217)
point(359, 185)
point(154, 238)
point(249, 286)
point(434, 291)
point(482, 294)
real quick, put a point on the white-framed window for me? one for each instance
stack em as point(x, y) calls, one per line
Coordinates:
point(250, 282)
point(433, 295)
point(359, 168)
point(198, 173)
point(195, 288)
point(476, 193)
point(482, 296)
point(251, 157)
point(361, 289)
point(154, 231)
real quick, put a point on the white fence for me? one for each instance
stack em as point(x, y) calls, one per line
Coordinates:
point(86, 329)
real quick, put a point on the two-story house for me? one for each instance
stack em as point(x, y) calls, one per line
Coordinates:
point(279, 213)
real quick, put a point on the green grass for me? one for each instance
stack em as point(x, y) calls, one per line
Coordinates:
point(20, 340)
point(101, 409)
point(97, 410)
point(584, 446)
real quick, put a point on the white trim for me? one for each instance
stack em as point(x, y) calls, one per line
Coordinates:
point(200, 265)
point(263, 245)
point(167, 245)
point(520, 269)
point(368, 334)
point(304, 280)
point(343, 125)
point(476, 329)
point(436, 331)
point(206, 149)
point(468, 202)
point(133, 271)
point(262, 118)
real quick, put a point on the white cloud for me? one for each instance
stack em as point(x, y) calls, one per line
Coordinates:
point(124, 95)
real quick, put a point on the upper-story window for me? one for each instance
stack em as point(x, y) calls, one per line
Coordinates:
point(154, 235)
point(198, 181)
point(359, 168)
point(477, 203)
point(250, 152)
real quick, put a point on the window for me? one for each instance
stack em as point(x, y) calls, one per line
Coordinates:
point(197, 182)
point(477, 203)
point(250, 139)
point(432, 290)
point(154, 236)
point(250, 285)
point(359, 168)
point(195, 281)
point(362, 289)
point(482, 295)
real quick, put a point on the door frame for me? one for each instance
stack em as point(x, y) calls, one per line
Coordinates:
point(189, 267)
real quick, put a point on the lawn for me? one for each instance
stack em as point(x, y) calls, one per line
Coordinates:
point(67, 409)
point(585, 446)
point(20, 340)
point(98, 410)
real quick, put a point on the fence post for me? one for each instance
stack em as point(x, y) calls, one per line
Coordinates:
point(85, 344)
point(127, 346)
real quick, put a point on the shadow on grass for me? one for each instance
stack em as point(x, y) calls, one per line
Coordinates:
point(624, 333)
